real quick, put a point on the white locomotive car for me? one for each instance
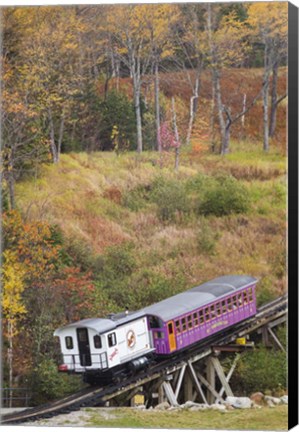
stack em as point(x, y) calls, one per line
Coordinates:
point(107, 348)
point(96, 346)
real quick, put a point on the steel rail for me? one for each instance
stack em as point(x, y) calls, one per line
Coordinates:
point(93, 396)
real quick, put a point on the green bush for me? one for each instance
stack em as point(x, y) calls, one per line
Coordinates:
point(261, 370)
point(227, 196)
point(206, 238)
point(171, 199)
point(265, 292)
point(137, 198)
point(48, 384)
point(118, 127)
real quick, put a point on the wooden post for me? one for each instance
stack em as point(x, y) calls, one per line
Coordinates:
point(211, 379)
point(187, 387)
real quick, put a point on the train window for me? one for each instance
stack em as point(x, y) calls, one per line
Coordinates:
point(154, 322)
point(207, 314)
point(223, 304)
point(229, 304)
point(159, 335)
point(195, 319)
point(250, 293)
point(178, 327)
point(240, 300)
point(245, 297)
point(111, 339)
point(69, 342)
point(97, 341)
point(201, 318)
point(170, 328)
point(235, 302)
point(190, 325)
point(213, 313)
point(184, 328)
point(218, 309)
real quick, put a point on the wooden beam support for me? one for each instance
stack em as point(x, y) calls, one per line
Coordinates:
point(180, 380)
point(276, 340)
point(265, 336)
point(229, 375)
point(170, 394)
point(198, 386)
point(210, 371)
point(209, 387)
point(220, 373)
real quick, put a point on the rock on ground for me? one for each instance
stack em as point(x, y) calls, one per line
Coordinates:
point(239, 402)
point(257, 397)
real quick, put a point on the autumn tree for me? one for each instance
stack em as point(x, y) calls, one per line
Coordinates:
point(133, 46)
point(269, 24)
point(228, 46)
point(13, 307)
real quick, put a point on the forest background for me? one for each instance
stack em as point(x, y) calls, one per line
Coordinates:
point(143, 152)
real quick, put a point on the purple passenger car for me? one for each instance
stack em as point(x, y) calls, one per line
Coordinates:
point(186, 318)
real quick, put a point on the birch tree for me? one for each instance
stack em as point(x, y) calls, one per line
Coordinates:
point(227, 47)
point(133, 44)
point(269, 24)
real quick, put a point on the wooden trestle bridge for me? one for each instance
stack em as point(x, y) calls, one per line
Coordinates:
point(195, 375)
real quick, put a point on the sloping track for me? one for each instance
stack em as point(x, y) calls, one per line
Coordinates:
point(96, 396)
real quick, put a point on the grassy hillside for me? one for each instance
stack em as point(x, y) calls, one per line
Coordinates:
point(160, 229)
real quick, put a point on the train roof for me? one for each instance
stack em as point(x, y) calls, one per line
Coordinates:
point(198, 296)
point(103, 325)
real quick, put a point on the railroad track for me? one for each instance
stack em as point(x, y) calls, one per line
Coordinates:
point(98, 395)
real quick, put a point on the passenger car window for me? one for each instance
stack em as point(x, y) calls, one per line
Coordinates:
point(201, 318)
point(111, 339)
point(184, 324)
point(190, 325)
point(195, 319)
point(97, 341)
point(178, 327)
point(69, 342)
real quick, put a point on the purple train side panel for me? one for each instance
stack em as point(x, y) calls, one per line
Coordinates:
point(183, 330)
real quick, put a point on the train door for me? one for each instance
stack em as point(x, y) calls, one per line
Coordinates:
point(84, 347)
point(171, 336)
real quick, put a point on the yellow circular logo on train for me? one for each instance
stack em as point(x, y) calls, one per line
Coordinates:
point(131, 339)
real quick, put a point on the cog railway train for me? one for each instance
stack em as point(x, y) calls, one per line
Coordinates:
point(103, 349)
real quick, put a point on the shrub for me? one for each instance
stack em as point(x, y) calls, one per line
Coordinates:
point(206, 238)
point(137, 198)
point(119, 260)
point(170, 198)
point(260, 370)
point(48, 384)
point(265, 292)
point(226, 197)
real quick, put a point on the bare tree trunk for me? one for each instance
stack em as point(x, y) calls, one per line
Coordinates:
point(266, 111)
point(176, 133)
point(243, 109)
point(157, 106)
point(53, 148)
point(216, 80)
point(11, 189)
point(273, 100)
point(138, 119)
point(266, 79)
point(193, 109)
point(60, 136)
point(220, 111)
point(10, 361)
point(212, 119)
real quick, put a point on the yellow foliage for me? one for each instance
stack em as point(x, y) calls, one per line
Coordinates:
point(13, 273)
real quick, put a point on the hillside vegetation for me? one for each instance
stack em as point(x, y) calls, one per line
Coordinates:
point(164, 231)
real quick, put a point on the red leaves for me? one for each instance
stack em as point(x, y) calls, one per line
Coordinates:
point(167, 137)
